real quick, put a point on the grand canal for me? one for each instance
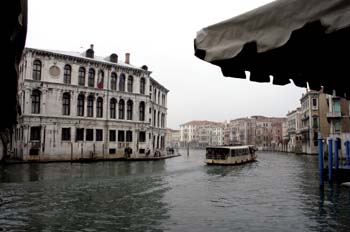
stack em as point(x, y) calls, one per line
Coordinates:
point(278, 193)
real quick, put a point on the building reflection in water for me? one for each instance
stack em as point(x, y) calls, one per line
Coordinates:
point(106, 196)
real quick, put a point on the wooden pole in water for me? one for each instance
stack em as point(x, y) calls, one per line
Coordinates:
point(330, 159)
point(347, 151)
point(320, 159)
point(336, 157)
point(188, 149)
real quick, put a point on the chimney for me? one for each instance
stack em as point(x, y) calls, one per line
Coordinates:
point(90, 51)
point(127, 58)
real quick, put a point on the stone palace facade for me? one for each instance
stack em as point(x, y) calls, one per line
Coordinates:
point(76, 106)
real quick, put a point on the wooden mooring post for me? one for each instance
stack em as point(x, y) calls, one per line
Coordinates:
point(320, 159)
point(330, 159)
point(347, 152)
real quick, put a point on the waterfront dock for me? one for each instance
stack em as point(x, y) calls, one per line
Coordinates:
point(152, 158)
point(134, 157)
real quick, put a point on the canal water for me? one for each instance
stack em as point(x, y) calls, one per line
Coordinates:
point(278, 193)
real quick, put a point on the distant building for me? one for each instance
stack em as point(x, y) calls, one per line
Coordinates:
point(239, 131)
point(77, 105)
point(226, 133)
point(319, 113)
point(172, 138)
point(263, 132)
point(285, 136)
point(309, 127)
point(336, 122)
point(199, 134)
point(293, 125)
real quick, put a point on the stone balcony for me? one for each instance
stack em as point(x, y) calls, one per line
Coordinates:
point(334, 115)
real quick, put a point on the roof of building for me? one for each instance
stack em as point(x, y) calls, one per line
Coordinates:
point(83, 56)
point(159, 85)
point(204, 122)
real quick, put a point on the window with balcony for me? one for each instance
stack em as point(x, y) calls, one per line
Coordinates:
point(67, 74)
point(142, 85)
point(336, 106)
point(130, 84)
point(122, 82)
point(121, 109)
point(37, 70)
point(129, 110)
point(36, 101)
point(91, 78)
point(112, 108)
point(142, 111)
point(66, 104)
point(113, 81)
point(90, 106)
point(99, 107)
point(81, 76)
point(80, 106)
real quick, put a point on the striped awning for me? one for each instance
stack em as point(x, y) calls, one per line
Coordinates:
point(306, 41)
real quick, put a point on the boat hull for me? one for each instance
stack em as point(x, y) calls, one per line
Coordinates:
point(232, 160)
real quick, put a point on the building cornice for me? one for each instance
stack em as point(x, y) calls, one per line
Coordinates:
point(86, 60)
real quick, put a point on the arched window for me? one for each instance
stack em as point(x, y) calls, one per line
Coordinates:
point(90, 106)
point(154, 117)
point(162, 121)
point(91, 78)
point(130, 84)
point(158, 119)
point(36, 101)
point(159, 97)
point(81, 78)
point(121, 109)
point(122, 82)
point(100, 79)
point(37, 70)
point(163, 99)
point(99, 107)
point(112, 106)
point(66, 104)
point(142, 85)
point(113, 81)
point(142, 111)
point(67, 74)
point(129, 110)
point(80, 106)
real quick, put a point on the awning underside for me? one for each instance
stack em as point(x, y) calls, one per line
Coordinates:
point(315, 53)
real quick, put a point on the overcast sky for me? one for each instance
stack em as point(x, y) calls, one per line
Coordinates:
point(160, 35)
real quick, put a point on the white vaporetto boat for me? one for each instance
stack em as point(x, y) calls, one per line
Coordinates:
point(230, 155)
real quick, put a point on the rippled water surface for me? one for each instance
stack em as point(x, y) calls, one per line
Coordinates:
point(278, 193)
